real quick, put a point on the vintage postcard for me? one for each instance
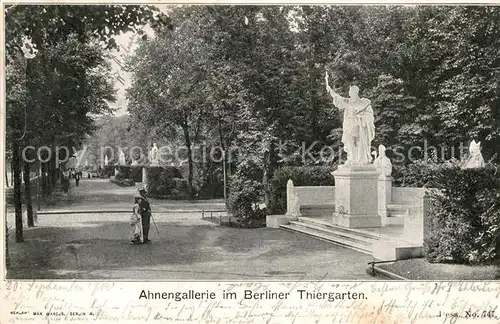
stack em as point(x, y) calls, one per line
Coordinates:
point(250, 163)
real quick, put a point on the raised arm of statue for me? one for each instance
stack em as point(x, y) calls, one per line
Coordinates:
point(338, 101)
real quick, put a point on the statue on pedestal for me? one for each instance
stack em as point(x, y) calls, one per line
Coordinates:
point(154, 155)
point(382, 162)
point(475, 159)
point(358, 124)
point(106, 160)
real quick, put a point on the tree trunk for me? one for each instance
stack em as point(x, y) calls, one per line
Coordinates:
point(43, 179)
point(7, 256)
point(269, 167)
point(53, 175)
point(16, 166)
point(6, 178)
point(224, 161)
point(265, 178)
point(27, 192)
point(187, 140)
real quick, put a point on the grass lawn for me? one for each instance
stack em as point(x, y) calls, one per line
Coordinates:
point(420, 269)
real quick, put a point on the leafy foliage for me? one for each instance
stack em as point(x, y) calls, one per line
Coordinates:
point(123, 182)
point(246, 195)
point(463, 223)
point(166, 182)
point(420, 173)
point(46, 25)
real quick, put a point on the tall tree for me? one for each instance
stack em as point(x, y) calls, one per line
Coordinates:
point(47, 29)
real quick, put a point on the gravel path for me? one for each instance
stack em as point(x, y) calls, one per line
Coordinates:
point(95, 246)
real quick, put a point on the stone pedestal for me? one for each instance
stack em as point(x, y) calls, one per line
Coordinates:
point(356, 196)
point(384, 196)
point(275, 221)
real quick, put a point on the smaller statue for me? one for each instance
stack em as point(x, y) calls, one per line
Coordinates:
point(135, 162)
point(382, 162)
point(121, 158)
point(106, 161)
point(475, 159)
point(154, 155)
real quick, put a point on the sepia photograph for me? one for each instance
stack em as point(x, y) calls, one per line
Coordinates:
point(251, 142)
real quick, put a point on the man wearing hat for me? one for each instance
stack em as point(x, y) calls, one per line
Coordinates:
point(145, 210)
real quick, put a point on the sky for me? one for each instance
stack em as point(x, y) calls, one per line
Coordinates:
point(122, 78)
point(128, 42)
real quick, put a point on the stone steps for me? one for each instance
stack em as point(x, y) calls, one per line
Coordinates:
point(354, 239)
point(317, 210)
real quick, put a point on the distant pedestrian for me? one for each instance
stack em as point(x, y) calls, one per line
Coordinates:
point(77, 177)
point(145, 210)
point(136, 236)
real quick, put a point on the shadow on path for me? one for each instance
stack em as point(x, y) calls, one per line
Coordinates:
point(100, 250)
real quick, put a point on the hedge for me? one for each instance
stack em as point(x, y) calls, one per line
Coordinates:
point(130, 172)
point(463, 223)
point(301, 176)
point(108, 171)
point(123, 182)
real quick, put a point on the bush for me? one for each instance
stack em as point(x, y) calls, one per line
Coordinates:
point(209, 182)
point(463, 223)
point(108, 171)
point(136, 173)
point(419, 173)
point(123, 182)
point(163, 181)
point(245, 195)
point(130, 172)
point(301, 176)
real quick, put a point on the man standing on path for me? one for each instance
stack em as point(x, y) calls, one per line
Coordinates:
point(145, 210)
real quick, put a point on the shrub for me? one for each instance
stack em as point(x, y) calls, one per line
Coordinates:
point(463, 223)
point(301, 176)
point(209, 182)
point(130, 172)
point(108, 171)
point(162, 181)
point(123, 182)
point(245, 195)
point(419, 173)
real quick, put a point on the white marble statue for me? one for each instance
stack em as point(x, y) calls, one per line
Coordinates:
point(121, 158)
point(475, 159)
point(382, 162)
point(154, 155)
point(135, 162)
point(106, 161)
point(358, 125)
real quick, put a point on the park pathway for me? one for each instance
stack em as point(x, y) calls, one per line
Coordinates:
point(94, 245)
